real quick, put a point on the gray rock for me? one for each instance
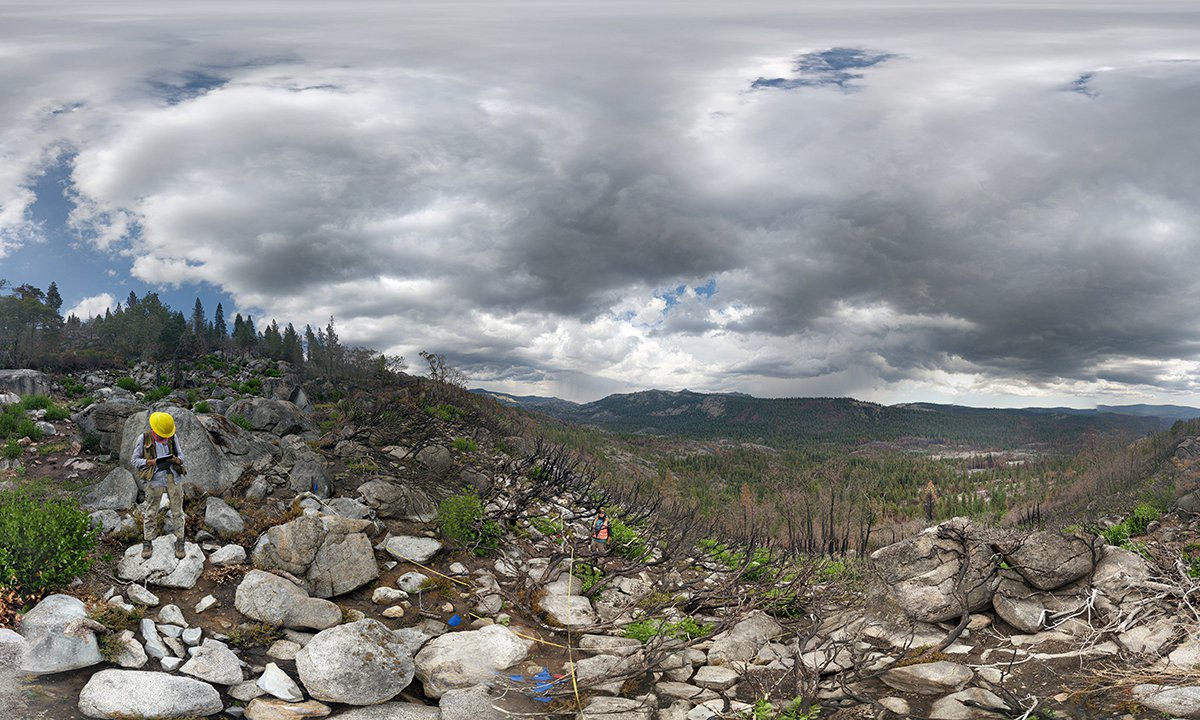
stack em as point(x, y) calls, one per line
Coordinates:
point(1148, 639)
point(110, 522)
point(1120, 573)
point(140, 595)
point(393, 499)
point(919, 574)
point(715, 677)
point(170, 663)
point(12, 648)
point(59, 637)
point(410, 582)
point(742, 642)
point(269, 598)
point(331, 554)
point(308, 472)
point(951, 707)
point(278, 417)
point(205, 603)
point(137, 693)
point(284, 650)
point(264, 708)
point(346, 507)
point(25, 382)
point(399, 711)
point(601, 674)
point(117, 491)
point(568, 611)
point(411, 638)
point(214, 663)
point(413, 549)
point(1189, 504)
point(614, 708)
point(360, 663)
point(935, 678)
point(162, 568)
point(437, 459)
point(192, 636)
point(172, 615)
point(47, 429)
point(609, 645)
point(132, 655)
point(228, 555)
point(387, 595)
point(1049, 560)
point(463, 659)
point(155, 647)
point(245, 691)
point(277, 683)
point(472, 703)
point(1183, 702)
point(1019, 606)
point(224, 521)
point(170, 631)
point(106, 421)
point(683, 691)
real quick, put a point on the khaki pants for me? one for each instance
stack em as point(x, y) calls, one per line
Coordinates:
point(174, 490)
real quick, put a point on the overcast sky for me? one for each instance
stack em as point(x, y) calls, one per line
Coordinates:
point(988, 203)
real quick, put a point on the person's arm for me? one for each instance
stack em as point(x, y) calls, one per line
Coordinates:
point(137, 459)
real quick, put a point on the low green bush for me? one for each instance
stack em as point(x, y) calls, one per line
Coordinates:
point(57, 414)
point(465, 444)
point(588, 575)
point(36, 402)
point(128, 383)
point(241, 422)
point(44, 543)
point(201, 407)
point(462, 521)
point(445, 412)
point(12, 450)
point(625, 542)
point(158, 393)
point(647, 630)
point(72, 387)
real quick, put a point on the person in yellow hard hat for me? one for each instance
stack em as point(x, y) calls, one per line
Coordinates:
point(159, 462)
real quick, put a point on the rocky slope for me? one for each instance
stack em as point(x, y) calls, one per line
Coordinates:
point(316, 584)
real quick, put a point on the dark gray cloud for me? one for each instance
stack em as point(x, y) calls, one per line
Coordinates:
point(951, 201)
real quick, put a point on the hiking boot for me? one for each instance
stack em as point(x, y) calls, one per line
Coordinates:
point(147, 549)
point(179, 552)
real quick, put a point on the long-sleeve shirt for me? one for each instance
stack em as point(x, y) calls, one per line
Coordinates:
point(162, 448)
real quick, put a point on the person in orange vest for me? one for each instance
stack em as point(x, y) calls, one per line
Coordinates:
point(159, 462)
point(600, 532)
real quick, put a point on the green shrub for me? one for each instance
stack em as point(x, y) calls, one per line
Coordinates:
point(57, 414)
point(647, 630)
point(36, 402)
point(192, 396)
point(241, 422)
point(549, 526)
point(28, 428)
point(10, 417)
point(253, 386)
point(44, 544)
point(91, 443)
point(445, 412)
point(625, 542)
point(1141, 518)
point(73, 388)
point(12, 450)
point(462, 522)
point(128, 383)
point(588, 575)
point(201, 407)
point(272, 373)
point(115, 618)
point(158, 393)
point(465, 444)
point(791, 710)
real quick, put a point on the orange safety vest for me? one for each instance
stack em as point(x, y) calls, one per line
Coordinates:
point(601, 529)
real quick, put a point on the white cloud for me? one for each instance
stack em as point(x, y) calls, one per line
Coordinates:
point(90, 307)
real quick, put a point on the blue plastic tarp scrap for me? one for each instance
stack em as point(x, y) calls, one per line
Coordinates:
point(542, 683)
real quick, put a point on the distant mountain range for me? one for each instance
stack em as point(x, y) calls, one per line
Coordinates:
point(787, 422)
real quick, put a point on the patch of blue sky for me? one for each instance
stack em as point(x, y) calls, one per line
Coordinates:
point(835, 67)
point(1082, 85)
point(79, 269)
point(708, 289)
point(189, 84)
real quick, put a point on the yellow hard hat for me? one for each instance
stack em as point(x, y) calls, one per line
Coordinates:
point(162, 424)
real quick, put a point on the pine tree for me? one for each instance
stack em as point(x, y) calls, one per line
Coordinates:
point(219, 328)
point(53, 299)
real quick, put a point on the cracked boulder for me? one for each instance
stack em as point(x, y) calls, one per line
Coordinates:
point(278, 417)
point(330, 555)
point(463, 659)
point(920, 574)
point(1048, 560)
point(271, 599)
point(361, 663)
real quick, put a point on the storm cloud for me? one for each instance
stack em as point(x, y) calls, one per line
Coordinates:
point(956, 201)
